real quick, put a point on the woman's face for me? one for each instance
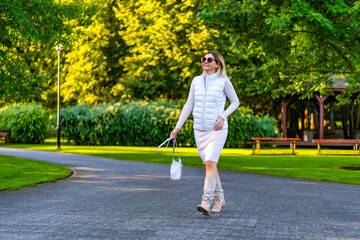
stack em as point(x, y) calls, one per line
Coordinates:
point(208, 64)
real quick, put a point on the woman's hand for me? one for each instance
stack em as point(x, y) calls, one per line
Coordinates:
point(219, 123)
point(174, 133)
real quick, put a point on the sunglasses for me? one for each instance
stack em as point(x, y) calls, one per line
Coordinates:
point(209, 60)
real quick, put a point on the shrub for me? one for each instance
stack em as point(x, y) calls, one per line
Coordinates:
point(138, 123)
point(25, 124)
point(149, 123)
point(243, 125)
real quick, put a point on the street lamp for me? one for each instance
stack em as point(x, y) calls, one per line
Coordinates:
point(58, 131)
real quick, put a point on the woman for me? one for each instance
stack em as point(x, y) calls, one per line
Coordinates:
point(207, 99)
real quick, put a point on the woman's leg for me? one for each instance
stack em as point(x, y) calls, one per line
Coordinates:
point(213, 152)
point(212, 172)
point(209, 187)
point(219, 197)
point(211, 169)
point(210, 153)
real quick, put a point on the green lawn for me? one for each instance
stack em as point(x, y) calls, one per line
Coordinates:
point(306, 164)
point(18, 172)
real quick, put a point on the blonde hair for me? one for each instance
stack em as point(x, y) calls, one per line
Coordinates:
point(221, 71)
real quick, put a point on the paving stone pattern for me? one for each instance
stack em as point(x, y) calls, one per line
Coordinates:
point(112, 199)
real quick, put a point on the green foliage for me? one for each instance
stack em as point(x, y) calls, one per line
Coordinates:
point(94, 64)
point(292, 45)
point(25, 124)
point(131, 50)
point(150, 49)
point(243, 125)
point(16, 84)
point(25, 24)
point(146, 123)
point(165, 43)
point(137, 123)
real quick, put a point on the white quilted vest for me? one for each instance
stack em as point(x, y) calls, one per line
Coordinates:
point(209, 101)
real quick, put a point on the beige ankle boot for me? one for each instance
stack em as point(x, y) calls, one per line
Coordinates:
point(208, 196)
point(219, 197)
point(204, 207)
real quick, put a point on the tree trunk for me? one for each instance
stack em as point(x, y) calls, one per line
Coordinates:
point(302, 116)
point(316, 119)
point(297, 130)
point(351, 119)
point(357, 118)
point(331, 118)
point(344, 122)
point(308, 127)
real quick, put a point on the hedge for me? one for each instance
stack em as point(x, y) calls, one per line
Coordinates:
point(149, 123)
point(25, 124)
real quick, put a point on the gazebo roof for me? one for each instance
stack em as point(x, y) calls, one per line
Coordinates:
point(339, 85)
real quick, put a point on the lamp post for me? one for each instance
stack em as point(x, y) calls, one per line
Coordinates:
point(58, 130)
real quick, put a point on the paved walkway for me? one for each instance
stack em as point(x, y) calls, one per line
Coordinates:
point(112, 199)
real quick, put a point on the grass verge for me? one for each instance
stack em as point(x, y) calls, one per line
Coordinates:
point(306, 164)
point(18, 172)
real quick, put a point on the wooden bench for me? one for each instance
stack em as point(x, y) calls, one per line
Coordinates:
point(3, 137)
point(354, 142)
point(259, 141)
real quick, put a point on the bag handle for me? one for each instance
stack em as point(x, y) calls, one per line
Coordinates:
point(176, 146)
point(166, 141)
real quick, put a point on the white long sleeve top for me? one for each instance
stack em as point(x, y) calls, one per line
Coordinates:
point(229, 91)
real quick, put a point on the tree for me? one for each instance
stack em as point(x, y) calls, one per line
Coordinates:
point(94, 65)
point(295, 44)
point(165, 43)
point(25, 24)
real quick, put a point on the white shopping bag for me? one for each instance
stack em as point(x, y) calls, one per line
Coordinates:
point(176, 166)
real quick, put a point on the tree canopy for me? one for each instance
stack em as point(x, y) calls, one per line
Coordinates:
point(165, 41)
point(296, 43)
point(25, 25)
point(150, 49)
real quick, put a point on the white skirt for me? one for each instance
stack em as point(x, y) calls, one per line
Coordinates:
point(210, 144)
